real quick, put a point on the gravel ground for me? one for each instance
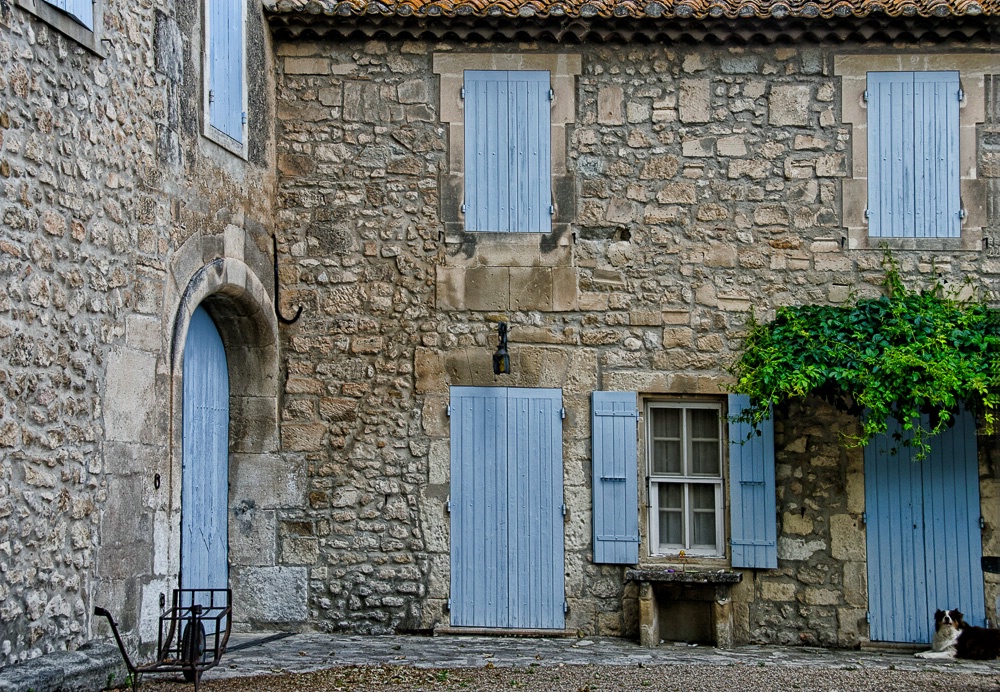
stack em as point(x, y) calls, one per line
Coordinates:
point(588, 678)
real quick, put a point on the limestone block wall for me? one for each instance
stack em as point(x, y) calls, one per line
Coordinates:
point(110, 204)
point(708, 183)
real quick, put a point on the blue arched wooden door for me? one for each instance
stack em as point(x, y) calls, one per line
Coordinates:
point(205, 466)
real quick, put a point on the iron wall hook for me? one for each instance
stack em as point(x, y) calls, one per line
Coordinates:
point(277, 290)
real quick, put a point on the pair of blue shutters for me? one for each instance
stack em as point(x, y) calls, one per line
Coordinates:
point(205, 463)
point(80, 10)
point(507, 151)
point(616, 498)
point(913, 164)
point(924, 541)
point(507, 554)
point(225, 67)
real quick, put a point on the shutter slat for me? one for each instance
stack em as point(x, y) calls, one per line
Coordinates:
point(615, 477)
point(752, 491)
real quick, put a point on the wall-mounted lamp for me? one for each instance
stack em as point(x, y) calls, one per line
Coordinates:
point(501, 359)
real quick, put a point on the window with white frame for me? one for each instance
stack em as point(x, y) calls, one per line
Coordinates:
point(685, 460)
point(225, 74)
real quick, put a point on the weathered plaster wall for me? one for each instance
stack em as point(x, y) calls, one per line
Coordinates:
point(708, 183)
point(104, 178)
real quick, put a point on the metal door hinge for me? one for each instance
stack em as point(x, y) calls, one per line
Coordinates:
point(961, 94)
point(962, 213)
point(462, 93)
point(562, 413)
point(552, 210)
point(211, 96)
point(865, 96)
point(565, 606)
point(982, 523)
point(552, 95)
point(463, 207)
point(243, 118)
point(868, 616)
point(447, 505)
point(868, 213)
point(864, 517)
point(449, 604)
point(448, 410)
point(563, 508)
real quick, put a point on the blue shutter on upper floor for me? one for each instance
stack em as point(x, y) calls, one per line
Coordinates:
point(913, 165)
point(507, 151)
point(80, 10)
point(226, 74)
point(937, 202)
point(615, 477)
point(752, 490)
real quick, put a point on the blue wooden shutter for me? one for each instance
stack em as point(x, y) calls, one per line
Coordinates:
point(937, 201)
point(615, 472)
point(507, 151)
point(752, 491)
point(225, 57)
point(534, 509)
point(479, 499)
point(81, 10)
point(913, 166)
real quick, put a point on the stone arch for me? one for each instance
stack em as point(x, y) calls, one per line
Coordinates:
point(232, 291)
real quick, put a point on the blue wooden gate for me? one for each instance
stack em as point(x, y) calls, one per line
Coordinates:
point(924, 541)
point(205, 467)
point(506, 508)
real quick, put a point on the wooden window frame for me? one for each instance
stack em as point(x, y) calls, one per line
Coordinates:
point(239, 148)
point(853, 71)
point(654, 480)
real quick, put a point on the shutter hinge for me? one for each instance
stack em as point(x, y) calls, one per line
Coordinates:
point(962, 214)
point(448, 410)
point(463, 207)
point(552, 209)
point(565, 606)
point(865, 96)
point(868, 615)
point(868, 213)
point(552, 95)
point(563, 508)
point(447, 505)
point(961, 94)
point(243, 118)
point(462, 93)
point(449, 604)
point(211, 96)
point(562, 413)
point(864, 517)
point(982, 523)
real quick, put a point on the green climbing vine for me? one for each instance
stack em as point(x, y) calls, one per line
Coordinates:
point(908, 353)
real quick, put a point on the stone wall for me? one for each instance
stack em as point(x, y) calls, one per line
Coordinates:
point(708, 183)
point(110, 203)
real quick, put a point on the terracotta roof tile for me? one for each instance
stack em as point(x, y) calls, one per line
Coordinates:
point(682, 9)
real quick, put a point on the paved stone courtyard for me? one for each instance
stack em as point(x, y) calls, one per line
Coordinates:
point(267, 654)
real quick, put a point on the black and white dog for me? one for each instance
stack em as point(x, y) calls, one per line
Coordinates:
point(953, 638)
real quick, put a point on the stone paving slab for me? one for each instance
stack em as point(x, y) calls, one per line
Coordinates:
point(310, 652)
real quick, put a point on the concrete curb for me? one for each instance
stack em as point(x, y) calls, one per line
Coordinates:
point(88, 669)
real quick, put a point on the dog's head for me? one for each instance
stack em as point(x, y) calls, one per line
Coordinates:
point(948, 619)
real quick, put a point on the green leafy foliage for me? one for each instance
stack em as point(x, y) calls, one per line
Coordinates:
point(915, 356)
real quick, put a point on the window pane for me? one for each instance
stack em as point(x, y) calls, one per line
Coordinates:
point(670, 496)
point(703, 519)
point(705, 424)
point(666, 441)
point(666, 423)
point(705, 458)
point(667, 456)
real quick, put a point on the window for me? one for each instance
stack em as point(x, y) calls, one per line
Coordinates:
point(507, 151)
point(924, 190)
point(684, 453)
point(683, 464)
point(913, 154)
point(76, 19)
point(80, 10)
point(225, 74)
